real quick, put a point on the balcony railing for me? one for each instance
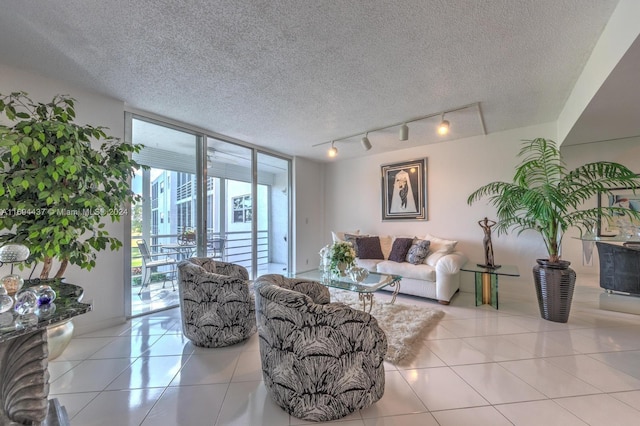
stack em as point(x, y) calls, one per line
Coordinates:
point(237, 248)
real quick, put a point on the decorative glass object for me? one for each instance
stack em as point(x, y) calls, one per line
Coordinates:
point(358, 274)
point(26, 301)
point(6, 302)
point(12, 283)
point(45, 294)
point(26, 320)
point(45, 311)
point(12, 253)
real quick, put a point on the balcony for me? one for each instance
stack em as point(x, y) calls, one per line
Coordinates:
point(160, 294)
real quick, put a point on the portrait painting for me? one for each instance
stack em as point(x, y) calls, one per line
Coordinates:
point(404, 190)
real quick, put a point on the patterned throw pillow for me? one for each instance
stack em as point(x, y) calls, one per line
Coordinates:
point(400, 249)
point(369, 248)
point(352, 238)
point(418, 252)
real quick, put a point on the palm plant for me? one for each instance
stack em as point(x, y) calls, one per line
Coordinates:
point(545, 197)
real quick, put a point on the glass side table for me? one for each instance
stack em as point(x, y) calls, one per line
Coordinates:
point(487, 281)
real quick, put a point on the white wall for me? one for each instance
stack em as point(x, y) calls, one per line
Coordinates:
point(308, 213)
point(104, 284)
point(455, 170)
point(616, 38)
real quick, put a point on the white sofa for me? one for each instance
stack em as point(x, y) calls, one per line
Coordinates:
point(437, 277)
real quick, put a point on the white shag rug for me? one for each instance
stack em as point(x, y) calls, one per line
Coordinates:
point(406, 326)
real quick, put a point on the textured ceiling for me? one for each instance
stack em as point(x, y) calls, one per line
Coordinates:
point(291, 74)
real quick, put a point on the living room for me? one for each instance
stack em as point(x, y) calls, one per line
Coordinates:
point(344, 195)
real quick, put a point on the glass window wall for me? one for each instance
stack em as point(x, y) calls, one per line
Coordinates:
point(230, 203)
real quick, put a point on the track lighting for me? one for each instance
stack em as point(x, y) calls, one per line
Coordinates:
point(404, 132)
point(366, 144)
point(443, 127)
point(333, 151)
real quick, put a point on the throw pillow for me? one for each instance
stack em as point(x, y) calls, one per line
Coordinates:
point(339, 235)
point(441, 245)
point(385, 244)
point(369, 248)
point(400, 249)
point(353, 238)
point(418, 252)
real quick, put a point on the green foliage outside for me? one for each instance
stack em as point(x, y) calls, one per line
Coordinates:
point(156, 277)
point(59, 181)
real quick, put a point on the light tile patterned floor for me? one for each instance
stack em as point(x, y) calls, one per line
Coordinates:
point(478, 366)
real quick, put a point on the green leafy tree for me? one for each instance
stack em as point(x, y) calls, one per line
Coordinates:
point(59, 181)
point(546, 197)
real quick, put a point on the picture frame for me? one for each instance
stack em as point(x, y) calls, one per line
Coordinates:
point(617, 197)
point(404, 190)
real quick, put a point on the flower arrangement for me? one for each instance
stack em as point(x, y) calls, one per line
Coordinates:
point(338, 256)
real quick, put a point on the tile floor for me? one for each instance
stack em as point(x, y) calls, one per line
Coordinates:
point(478, 366)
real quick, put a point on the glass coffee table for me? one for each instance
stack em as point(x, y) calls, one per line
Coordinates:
point(373, 282)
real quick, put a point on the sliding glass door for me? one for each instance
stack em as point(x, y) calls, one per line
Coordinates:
point(274, 224)
point(163, 224)
point(229, 215)
point(202, 196)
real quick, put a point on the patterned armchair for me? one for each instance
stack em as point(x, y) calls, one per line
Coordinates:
point(320, 360)
point(216, 304)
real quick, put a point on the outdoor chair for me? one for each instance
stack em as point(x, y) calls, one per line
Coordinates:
point(150, 262)
point(320, 361)
point(217, 308)
point(215, 248)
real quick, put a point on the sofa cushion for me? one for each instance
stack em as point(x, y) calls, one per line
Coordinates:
point(338, 236)
point(386, 241)
point(369, 264)
point(418, 252)
point(440, 245)
point(353, 239)
point(400, 248)
point(369, 248)
point(408, 270)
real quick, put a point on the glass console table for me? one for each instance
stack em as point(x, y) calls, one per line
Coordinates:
point(589, 242)
point(23, 352)
point(487, 281)
point(373, 282)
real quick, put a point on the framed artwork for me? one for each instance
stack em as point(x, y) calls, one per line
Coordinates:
point(618, 197)
point(404, 190)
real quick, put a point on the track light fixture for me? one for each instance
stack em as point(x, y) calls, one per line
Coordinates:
point(404, 132)
point(366, 144)
point(442, 129)
point(333, 151)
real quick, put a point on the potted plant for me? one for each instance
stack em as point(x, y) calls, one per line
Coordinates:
point(57, 184)
point(338, 257)
point(547, 198)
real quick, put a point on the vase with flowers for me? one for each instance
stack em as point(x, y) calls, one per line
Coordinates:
point(338, 257)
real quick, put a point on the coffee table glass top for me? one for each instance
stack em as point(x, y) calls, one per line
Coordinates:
point(374, 281)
